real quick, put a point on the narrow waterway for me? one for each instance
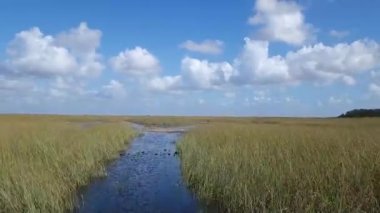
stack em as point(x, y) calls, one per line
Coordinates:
point(146, 178)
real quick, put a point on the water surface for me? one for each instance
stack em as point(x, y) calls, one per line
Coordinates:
point(147, 178)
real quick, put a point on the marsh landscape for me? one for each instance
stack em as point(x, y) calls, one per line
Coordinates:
point(93, 164)
point(189, 106)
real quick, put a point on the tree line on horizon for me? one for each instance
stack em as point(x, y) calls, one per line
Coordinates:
point(358, 113)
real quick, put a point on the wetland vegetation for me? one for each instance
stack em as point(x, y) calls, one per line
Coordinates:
point(307, 165)
point(231, 164)
point(45, 159)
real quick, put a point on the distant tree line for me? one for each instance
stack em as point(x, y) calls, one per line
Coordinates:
point(356, 113)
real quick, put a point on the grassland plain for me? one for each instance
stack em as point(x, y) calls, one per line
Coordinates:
point(44, 159)
point(291, 165)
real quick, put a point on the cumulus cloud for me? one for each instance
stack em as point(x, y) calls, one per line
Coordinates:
point(281, 21)
point(339, 34)
point(195, 74)
point(81, 40)
point(72, 54)
point(255, 66)
point(329, 63)
point(165, 83)
point(213, 47)
point(114, 89)
point(39, 67)
point(83, 43)
point(204, 74)
point(136, 62)
point(319, 64)
point(67, 88)
point(316, 63)
point(33, 53)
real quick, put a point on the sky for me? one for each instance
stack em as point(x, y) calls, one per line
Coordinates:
point(222, 58)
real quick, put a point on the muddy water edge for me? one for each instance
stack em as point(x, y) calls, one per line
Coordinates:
point(146, 178)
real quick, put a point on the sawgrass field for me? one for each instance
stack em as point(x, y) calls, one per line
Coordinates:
point(292, 165)
point(231, 164)
point(45, 159)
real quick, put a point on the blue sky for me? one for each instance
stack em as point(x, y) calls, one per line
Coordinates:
point(252, 58)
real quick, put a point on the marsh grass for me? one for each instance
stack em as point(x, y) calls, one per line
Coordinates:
point(45, 159)
point(292, 165)
point(167, 121)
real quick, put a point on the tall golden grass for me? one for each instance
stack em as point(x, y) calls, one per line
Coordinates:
point(292, 165)
point(44, 159)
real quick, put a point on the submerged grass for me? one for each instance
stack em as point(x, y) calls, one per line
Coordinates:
point(292, 165)
point(44, 159)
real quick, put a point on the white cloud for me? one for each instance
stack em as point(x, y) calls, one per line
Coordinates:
point(114, 89)
point(40, 67)
point(136, 62)
point(330, 63)
point(166, 83)
point(72, 54)
point(319, 64)
point(213, 47)
point(339, 34)
point(33, 53)
point(256, 67)
point(204, 74)
point(83, 43)
point(80, 40)
point(195, 74)
point(281, 21)
point(67, 88)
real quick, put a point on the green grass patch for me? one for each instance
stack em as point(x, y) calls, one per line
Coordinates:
point(292, 165)
point(45, 159)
